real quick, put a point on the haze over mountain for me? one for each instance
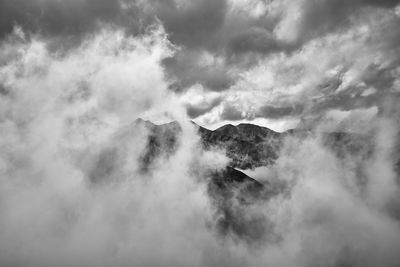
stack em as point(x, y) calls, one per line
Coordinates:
point(82, 184)
point(247, 146)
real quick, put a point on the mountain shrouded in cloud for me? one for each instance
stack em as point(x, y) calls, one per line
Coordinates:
point(292, 157)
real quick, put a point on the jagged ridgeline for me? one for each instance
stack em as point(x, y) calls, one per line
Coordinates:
point(248, 146)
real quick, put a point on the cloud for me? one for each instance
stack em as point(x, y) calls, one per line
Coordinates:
point(254, 40)
point(235, 113)
point(57, 17)
point(384, 3)
point(217, 36)
point(187, 68)
point(278, 112)
point(303, 20)
point(333, 71)
point(199, 100)
point(231, 113)
point(311, 220)
point(238, 34)
point(189, 23)
point(71, 193)
point(196, 111)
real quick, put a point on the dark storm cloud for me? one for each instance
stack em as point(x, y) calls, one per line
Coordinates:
point(315, 107)
point(321, 17)
point(382, 3)
point(343, 102)
point(207, 26)
point(338, 102)
point(190, 23)
point(193, 25)
point(57, 17)
point(211, 27)
point(233, 113)
point(235, 40)
point(375, 77)
point(3, 90)
point(388, 36)
point(184, 68)
point(254, 40)
point(194, 111)
point(379, 77)
point(278, 112)
point(346, 102)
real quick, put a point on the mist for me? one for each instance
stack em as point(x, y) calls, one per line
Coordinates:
point(72, 193)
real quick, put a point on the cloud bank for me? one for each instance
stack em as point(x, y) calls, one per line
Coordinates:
point(319, 56)
point(71, 189)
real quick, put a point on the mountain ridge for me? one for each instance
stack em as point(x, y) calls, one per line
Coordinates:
point(231, 191)
point(249, 146)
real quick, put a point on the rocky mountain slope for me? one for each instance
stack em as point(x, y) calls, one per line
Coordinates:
point(247, 146)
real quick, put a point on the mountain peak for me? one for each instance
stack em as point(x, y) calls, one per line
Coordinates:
point(226, 126)
point(140, 121)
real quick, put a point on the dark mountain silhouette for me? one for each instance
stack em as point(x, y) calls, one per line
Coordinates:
point(248, 146)
point(232, 192)
point(162, 140)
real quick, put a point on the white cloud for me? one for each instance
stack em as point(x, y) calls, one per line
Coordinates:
point(61, 113)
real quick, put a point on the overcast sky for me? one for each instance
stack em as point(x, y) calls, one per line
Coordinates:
point(76, 74)
point(280, 63)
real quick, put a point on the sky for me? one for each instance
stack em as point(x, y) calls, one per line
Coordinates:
point(75, 75)
point(278, 63)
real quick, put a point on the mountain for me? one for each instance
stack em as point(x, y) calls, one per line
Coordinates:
point(161, 140)
point(230, 190)
point(233, 193)
point(248, 146)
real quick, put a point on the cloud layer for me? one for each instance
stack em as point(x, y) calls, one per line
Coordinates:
point(71, 189)
point(297, 58)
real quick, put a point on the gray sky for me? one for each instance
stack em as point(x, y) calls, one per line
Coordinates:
point(75, 74)
point(275, 63)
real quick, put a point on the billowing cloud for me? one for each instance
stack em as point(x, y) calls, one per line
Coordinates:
point(232, 113)
point(219, 42)
point(71, 189)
